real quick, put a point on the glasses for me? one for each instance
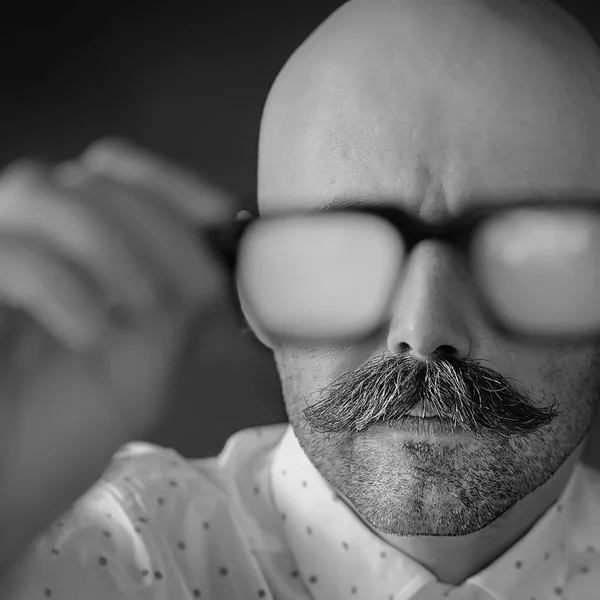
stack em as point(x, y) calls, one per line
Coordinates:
point(333, 274)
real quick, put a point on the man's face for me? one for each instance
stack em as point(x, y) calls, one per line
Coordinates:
point(451, 126)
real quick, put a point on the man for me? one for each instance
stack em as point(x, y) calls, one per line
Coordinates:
point(430, 105)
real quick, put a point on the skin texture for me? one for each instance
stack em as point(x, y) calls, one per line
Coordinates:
point(433, 105)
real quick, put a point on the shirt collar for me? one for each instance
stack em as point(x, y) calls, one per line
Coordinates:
point(338, 556)
point(537, 565)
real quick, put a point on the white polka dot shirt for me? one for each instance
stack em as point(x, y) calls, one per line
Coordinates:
point(259, 521)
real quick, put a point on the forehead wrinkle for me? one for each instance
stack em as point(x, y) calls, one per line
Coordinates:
point(364, 152)
point(352, 127)
point(346, 154)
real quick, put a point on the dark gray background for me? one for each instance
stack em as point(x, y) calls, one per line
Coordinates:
point(188, 80)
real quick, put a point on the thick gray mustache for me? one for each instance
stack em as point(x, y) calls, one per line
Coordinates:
point(388, 387)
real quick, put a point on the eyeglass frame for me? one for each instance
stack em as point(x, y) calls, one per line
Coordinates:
point(457, 231)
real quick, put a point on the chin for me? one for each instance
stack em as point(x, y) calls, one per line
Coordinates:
point(423, 488)
point(410, 517)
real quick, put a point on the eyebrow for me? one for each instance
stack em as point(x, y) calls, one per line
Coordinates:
point(340, 202)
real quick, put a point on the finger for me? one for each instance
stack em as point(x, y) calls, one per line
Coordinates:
point(197, 200)
point(156, 232)
point(33, 205)
point(42, 284)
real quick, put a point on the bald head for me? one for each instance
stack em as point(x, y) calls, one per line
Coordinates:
point(430, 104)
point(433, 102)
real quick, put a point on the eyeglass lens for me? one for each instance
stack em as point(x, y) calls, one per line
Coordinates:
point(335, 275)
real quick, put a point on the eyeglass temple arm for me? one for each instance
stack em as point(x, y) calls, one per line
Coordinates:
point(224, 240)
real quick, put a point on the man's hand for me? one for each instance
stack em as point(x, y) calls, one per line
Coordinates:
point(100, 259)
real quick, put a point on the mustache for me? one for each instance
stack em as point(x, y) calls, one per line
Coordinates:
point(388, 387)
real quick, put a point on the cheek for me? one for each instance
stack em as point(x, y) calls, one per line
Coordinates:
point(303, 371)
point(574, 376)
point(565, 373)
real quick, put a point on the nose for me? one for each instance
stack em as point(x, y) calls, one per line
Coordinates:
point(429, 315)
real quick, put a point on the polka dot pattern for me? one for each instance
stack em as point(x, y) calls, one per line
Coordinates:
point(337, 552)
point(167, 526)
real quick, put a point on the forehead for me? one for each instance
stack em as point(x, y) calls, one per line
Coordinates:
point(463, 129)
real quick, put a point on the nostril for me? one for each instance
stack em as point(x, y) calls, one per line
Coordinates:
point(446, 351)
point(441, 351)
